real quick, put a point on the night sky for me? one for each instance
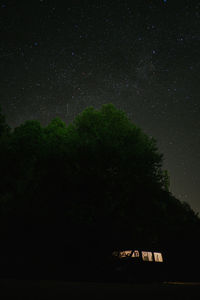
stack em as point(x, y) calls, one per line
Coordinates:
point(58, 57)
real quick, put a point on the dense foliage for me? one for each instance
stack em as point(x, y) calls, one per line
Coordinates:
point(87, 188)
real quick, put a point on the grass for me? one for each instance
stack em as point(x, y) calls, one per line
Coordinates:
point(51, 289)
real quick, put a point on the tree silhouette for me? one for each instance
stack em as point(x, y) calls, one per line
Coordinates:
point(71, 194)
point(4, 128)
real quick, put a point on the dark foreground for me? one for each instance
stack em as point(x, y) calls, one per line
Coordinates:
point(47, 289)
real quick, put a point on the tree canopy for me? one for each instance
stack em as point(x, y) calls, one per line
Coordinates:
point(93, 185)
point(4, 128)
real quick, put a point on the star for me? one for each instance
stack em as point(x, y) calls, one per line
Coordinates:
point(87, 55)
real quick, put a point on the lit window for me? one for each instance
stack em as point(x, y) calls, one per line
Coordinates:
point(136, 253)
point(158, 257)
point(147, 256)
point(126, 253)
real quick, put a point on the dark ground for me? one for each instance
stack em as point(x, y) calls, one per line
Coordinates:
point(47, 289)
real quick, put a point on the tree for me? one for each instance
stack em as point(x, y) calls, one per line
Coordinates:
point(4, 128)
point(87, 188)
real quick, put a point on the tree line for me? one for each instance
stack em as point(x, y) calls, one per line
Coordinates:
point(71, 194)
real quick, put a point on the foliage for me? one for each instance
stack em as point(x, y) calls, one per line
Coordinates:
point(92, 186)
point(4, 128)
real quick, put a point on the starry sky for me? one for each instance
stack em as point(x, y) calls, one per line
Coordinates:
point(58, 57)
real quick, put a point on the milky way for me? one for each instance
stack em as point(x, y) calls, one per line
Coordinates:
point(143, 56)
